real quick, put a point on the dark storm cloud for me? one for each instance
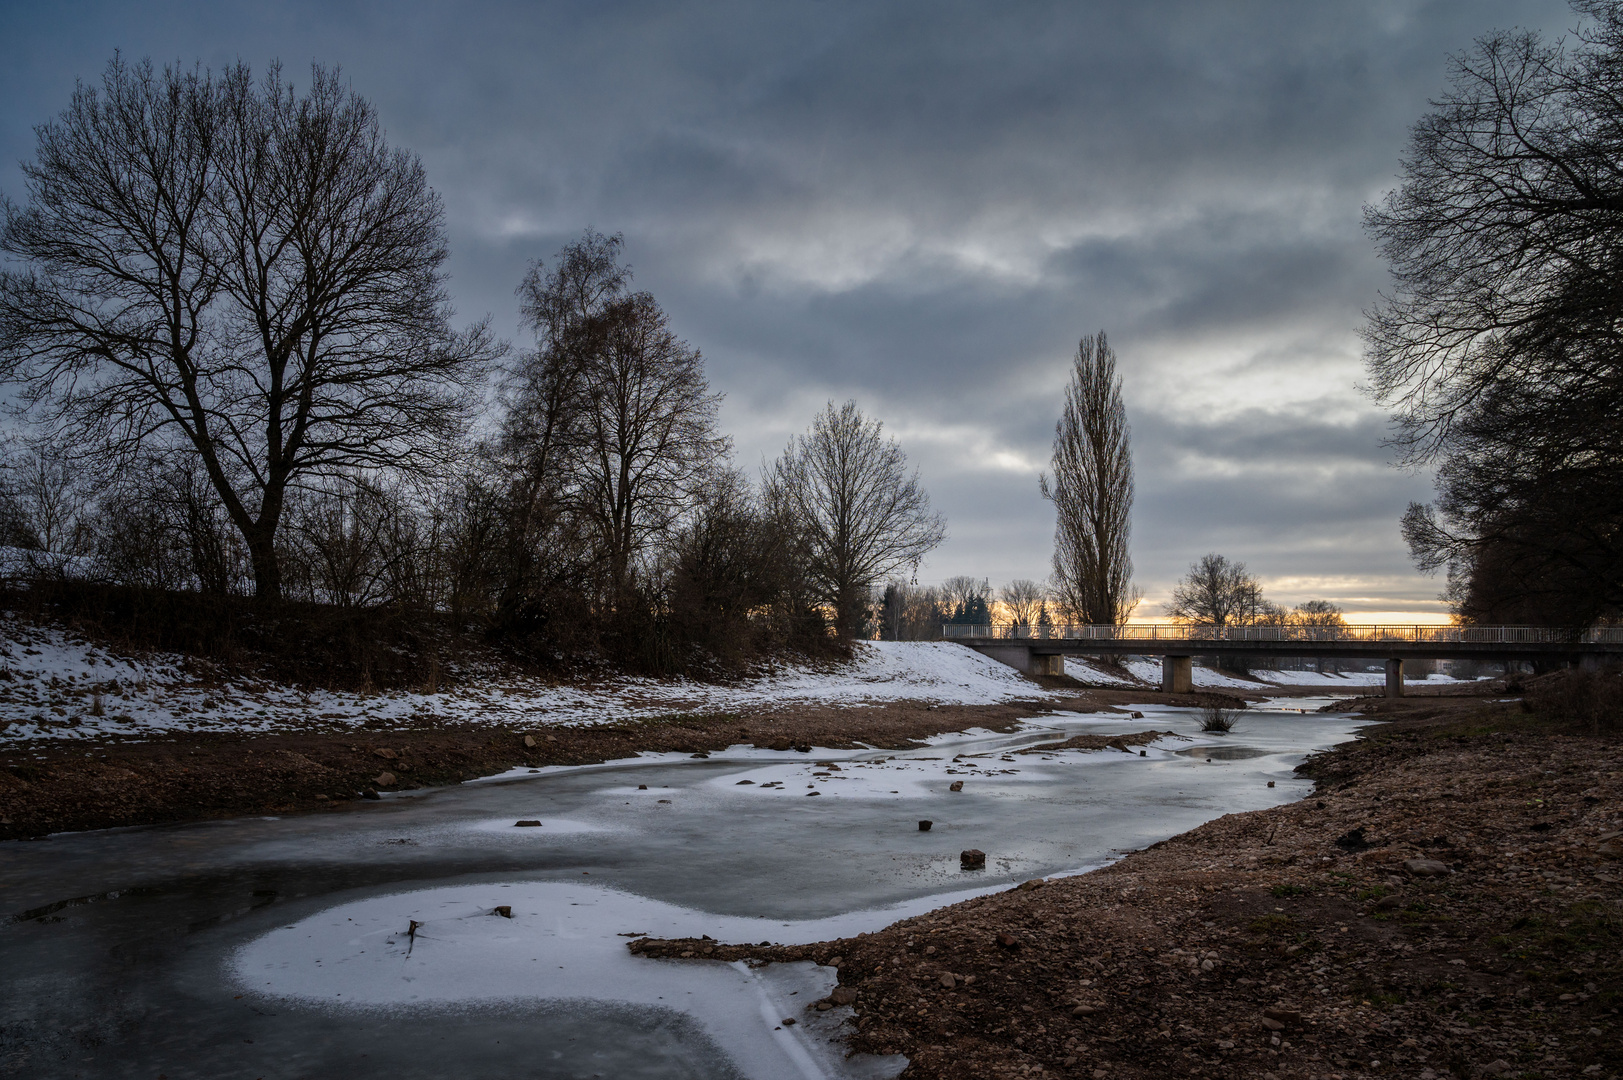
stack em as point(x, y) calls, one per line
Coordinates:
point(922, 205)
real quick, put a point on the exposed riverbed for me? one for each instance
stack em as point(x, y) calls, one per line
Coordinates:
point(281, 947)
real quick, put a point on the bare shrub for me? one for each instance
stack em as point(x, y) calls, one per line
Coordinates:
point(1593, 699)
point(1219, 719)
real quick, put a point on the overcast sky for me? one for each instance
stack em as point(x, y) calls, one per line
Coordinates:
point(922, 206)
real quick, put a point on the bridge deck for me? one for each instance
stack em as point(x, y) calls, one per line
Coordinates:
point(1353, 642)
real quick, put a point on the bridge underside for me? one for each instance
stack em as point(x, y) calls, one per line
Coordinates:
point(1047, 657)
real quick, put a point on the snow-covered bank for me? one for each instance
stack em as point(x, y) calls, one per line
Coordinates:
point(52, 684)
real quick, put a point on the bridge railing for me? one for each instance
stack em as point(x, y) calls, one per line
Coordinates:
point(1156, 632)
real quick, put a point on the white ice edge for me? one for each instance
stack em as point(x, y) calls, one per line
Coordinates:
point(564, 943)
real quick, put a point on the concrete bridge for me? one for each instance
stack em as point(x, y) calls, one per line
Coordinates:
point(1041, 650)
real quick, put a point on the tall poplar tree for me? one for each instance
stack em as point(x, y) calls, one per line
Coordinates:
point(1092, 493)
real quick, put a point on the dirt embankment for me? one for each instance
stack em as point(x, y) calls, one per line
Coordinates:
point(1449, 904)
point(92, 784)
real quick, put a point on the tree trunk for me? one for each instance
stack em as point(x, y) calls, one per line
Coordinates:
point(267, 568)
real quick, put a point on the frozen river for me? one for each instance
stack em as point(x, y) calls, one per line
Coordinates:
point(264, 947)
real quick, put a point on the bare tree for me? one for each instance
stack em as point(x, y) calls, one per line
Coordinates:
point(1219, 592)
point(1324, 619)
point(1022, 599)
point(612, 423)
point(1498, 349)
point(52, 497)
point(968, 598)
point(1092, 492)
point(861, 515)
point(648, 427)
point(1317, 615)
point(240, 274)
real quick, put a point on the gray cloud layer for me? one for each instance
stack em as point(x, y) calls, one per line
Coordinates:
point(922, 205)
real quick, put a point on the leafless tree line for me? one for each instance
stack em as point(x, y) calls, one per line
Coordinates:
point(226, 317)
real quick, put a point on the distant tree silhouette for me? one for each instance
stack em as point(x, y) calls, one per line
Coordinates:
point(861, 514)
point(1092, 492)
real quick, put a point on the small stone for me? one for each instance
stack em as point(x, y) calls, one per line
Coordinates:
point(835, 961)
point(1288, 1017)
point(1008, 941)
point(529, 740)
point(1425, 867)
point(824, 1006)
point(956, 785)
point(1034, 883)
point(1084, 1010)
point(1270, 783)
point(1612, 849)
point(370, 793)
point(973, 859)
point(809, 794)
point(924, 826)
point(642, 787)
point(1207, 965)
point(1271, 1024)
point(504, 910)
point(323, 798)
point(663, 800)
point(1496, 1067)
point(1143, 753)
point(384, 779)
point(948, 980)
point(527, 823)
point(843, 995)
point(788, 1021)
point(1389, 903)
point(1138, 716)
point(385, 753)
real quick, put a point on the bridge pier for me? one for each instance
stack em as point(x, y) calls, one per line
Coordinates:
point(1394, 678)
point(1023, 659)
point(1177, 674)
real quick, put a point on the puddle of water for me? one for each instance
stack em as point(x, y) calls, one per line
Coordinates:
point(265, 947)
point(1222, 753)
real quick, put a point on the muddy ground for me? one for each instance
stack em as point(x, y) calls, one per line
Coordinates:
point(101, 783)
point(1449, 903)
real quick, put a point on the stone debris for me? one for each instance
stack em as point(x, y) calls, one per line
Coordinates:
point(1426, 867)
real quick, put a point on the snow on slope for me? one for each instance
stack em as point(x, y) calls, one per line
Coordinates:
point(49, 683)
